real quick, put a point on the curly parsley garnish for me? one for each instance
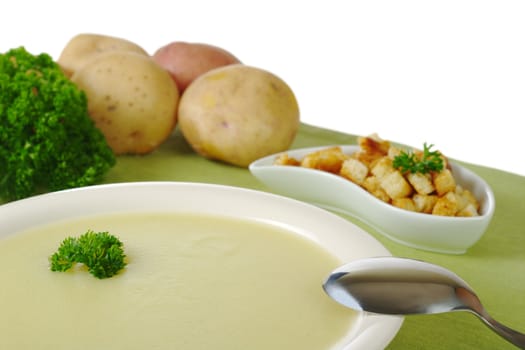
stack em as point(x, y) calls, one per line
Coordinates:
point(427, 162)
point(100, 252)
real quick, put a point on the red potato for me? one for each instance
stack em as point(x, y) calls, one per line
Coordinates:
point(186, 61)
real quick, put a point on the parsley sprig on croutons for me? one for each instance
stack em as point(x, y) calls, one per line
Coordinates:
point(426, 162)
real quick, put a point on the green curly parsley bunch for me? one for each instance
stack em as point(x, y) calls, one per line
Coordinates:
point(47, 139)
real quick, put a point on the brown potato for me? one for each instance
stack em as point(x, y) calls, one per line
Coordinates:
point(186, 61)
point(238, 113)
point(131, 99)
point(82, 47)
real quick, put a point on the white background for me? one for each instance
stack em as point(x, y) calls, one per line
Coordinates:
point(447, 72)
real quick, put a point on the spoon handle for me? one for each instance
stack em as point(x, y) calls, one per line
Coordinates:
point(507, 333)
point(471, 300)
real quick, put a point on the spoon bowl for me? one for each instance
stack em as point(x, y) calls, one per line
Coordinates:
point(400, 286)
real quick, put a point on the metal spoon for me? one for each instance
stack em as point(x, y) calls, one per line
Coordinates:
point(399, 286)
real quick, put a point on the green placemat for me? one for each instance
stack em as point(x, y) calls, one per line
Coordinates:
point(494, 267)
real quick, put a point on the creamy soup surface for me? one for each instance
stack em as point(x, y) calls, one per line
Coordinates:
point(192, 282)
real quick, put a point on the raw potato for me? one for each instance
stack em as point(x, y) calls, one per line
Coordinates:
point(186, 61)
point(131, 99)
point(238, 114)
point(82, 47)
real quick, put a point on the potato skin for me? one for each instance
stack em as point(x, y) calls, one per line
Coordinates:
point(238, 113)
point(186, 61)
point(84, 46)
point(131, 99)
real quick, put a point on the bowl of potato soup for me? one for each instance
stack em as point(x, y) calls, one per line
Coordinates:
point(206, 266)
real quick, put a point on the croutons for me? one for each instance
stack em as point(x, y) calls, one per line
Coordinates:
point(372, 185)
point(422, 183)
point(372, 148)
point(395, 185)
point(469, 211)
point(372, 167)
point(444, 182)
point(468, 197)
point(404, 203)
point(354, 170)
point(424, 203)
point(284, 159)
point(382, 167)
point(446, 205)
point(373, 144)
point(330, 159)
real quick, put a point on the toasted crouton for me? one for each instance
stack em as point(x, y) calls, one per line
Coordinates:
point(404, 203)
point(462, 201)
point(468, 197)
point(468, 211)
point(422, 183)
point(285, 159)
point(395, 185)
point(366, 158)
point(382, 167)
point(424, 203)
point(354, 170)
point(446, 205)
point(373, 144)
point(329, 159)
point(372, 185)
point(444, 182)
point(393, 152)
